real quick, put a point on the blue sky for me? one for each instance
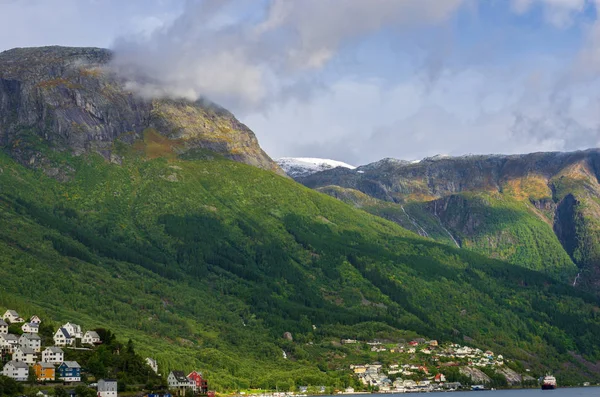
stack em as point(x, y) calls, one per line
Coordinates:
point(355, 80)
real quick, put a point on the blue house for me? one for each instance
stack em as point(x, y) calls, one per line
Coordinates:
point(69, 371)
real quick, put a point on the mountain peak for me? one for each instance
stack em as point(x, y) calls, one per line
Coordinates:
point(69, 98)
point(297, 167)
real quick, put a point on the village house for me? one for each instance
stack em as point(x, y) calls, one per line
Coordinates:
point(107, 388)
point(74, 330)
point(30, 328)
point(16, 370)
point(25, 355)
point(152, 364)
point(349, 341)
point(409, 384)
point(179, 383)
point(12, 317)
point(3, 327)
point(91, 338)
point(53, 355)
point(62, 337)
point(9, 342)
point(32, 341)
point(69, 371)
point(44, 371)
point(201, 385)
point(35, 320)
point(440, 378)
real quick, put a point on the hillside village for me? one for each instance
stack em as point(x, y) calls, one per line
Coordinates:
point(25, 358)
point(422, 365)
point(416, 365)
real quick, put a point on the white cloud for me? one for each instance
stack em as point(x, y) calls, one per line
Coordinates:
point(560, 13)
point(250, 62)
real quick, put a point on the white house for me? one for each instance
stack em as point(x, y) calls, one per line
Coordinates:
point(3, 327)
point(16, 370)
point(179, 382)
point(25, 355)
point(33, 328)
point(35, 320)
point(62, 337)
point(107, 388)
point(53, 354)
point(152, 364)
point(32, 341)
point(9, 342)
point(12, 316)
point(91, 338)
point(74, 330)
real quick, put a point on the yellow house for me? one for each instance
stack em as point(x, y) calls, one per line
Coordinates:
point(44, 371)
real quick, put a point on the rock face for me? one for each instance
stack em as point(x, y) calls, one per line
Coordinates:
point(521, 208)
point(476, 375)
point(70, 99)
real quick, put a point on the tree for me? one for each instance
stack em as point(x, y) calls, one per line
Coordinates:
point(84, 391)
point(31, 376)
point(60, 392)
point(9, 387)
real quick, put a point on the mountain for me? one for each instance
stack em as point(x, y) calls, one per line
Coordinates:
point(539, 210)
point(68, 98)
point(297, 167)
point(206, 262)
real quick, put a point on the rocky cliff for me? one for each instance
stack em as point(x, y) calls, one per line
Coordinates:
point(70, 99)
point(518, 207)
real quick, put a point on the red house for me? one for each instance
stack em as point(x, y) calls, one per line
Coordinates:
point(199, 381)
point(413, 343)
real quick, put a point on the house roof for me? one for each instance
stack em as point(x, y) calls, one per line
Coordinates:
point(72, 364)
point(93, 334)
point(64, 332)
point(31, 325)
point(12, 313)
point(31, 336)
point(3, 323)
point(180, 376)
point(18, 364)
point(26, 350)
point(54, 349)
point(9, 337)
point(46, 365)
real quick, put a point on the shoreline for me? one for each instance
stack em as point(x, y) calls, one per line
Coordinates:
point(412, 391)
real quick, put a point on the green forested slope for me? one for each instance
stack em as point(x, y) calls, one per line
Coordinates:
point(538, 210)
point(205, 262)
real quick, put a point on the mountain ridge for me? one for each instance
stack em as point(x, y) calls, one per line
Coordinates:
point(461, 194)
point(73, 99)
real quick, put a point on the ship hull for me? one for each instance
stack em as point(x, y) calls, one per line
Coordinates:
point(548, 387)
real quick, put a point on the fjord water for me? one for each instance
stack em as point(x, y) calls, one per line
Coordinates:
point(560, 392)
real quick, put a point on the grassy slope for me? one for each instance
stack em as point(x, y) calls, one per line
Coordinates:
point(179, 255)
point(503, 226)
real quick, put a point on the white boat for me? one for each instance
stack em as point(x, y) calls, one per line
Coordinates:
point(549, 382)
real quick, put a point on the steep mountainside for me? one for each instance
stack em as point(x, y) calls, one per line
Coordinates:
point(71, 99)
point(540, 210)
point(205, 262)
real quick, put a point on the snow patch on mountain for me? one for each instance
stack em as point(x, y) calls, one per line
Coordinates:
point(298, 167)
